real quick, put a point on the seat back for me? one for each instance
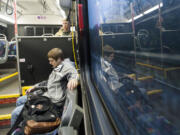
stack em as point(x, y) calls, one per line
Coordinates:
point(72, 113)
point(3, 48)
point(67, 131)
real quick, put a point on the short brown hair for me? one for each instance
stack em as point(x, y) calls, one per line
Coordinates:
point(108, 50)
point(56, 53)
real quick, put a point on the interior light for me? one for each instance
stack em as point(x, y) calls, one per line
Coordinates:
point(136, 17)
point(147, 12)
point(153, 8)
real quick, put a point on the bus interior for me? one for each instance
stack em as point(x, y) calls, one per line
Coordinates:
point(125, 52)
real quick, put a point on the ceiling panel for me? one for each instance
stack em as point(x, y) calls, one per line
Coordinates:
point(37, 7)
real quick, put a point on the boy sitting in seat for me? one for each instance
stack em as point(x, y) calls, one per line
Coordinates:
point(64, 76)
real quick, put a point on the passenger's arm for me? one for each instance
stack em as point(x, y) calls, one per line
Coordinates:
point(30, 89)
point(72, 84)
point(42, 84)
point(72, 77)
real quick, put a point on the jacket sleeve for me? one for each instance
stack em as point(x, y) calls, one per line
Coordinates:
point(41, 84)
point(71, 72)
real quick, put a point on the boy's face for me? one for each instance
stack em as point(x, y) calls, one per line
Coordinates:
point(110, 57)
point(54, 62)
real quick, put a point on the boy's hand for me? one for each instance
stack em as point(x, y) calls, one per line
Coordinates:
point(30, 89)
point(72, 84)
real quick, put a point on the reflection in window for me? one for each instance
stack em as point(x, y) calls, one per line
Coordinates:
point(113, 11)
point(109, 73)
point(140, 63)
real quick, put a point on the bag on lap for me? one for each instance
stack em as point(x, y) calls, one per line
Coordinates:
point(33, 127)
point(40, 115)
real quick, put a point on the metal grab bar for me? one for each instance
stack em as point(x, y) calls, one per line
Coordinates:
point(47, 34)
point(9, 76)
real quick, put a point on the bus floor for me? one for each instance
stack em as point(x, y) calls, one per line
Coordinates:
point(4, 131)
point(7, 87)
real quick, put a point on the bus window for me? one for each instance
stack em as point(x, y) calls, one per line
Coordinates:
point(39, 31)
point(135, 63)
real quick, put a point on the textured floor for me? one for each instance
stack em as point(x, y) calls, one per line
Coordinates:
point(6, 109)
point(10, 86)
point(4, 72)
point(4, 131)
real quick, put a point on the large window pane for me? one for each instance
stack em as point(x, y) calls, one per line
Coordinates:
point(135, 63)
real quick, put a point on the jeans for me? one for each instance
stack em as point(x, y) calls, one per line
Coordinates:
point(19, 106)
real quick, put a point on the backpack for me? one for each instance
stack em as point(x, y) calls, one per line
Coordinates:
point(39, 115)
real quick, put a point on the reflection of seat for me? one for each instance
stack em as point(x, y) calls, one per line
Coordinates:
point(72, 114)
point(2, 48)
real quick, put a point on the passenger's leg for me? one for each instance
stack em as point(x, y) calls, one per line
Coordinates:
point(20, 104)
point(15, 113)
point(21, 100)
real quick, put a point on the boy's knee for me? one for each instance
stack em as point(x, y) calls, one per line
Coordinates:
point(16, 111)
point(13, 114)
point(21, 100)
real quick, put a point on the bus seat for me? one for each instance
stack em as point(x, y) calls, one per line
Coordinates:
point(72, 113)
point(3, 49)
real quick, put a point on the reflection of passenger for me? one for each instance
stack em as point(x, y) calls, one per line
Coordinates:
point(64, 30)
point(109, 73)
